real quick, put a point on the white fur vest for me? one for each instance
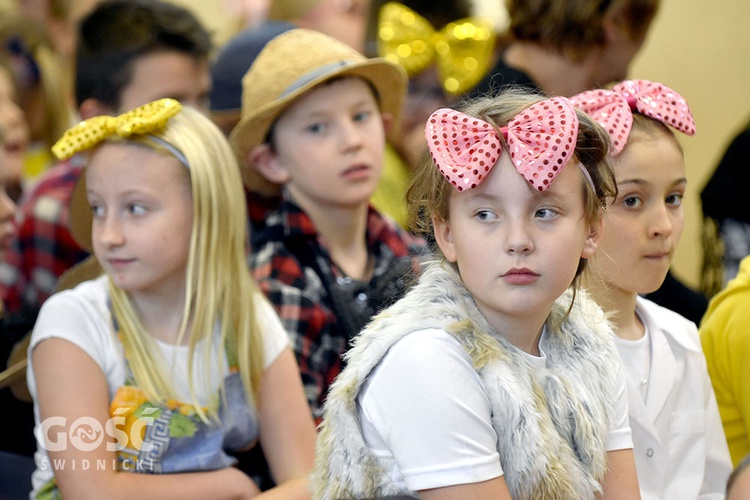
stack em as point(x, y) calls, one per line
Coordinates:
point(552, 425)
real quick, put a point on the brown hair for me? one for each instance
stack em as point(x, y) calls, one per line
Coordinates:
point(573, 26)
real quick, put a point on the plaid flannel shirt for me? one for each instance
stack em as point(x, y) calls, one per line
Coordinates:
point(321, 308)
point(44, 249)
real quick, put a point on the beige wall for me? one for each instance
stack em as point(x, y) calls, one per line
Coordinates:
point(699, 48)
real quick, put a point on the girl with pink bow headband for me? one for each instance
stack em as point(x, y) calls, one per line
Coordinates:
point(492, 377)
point(679, 444)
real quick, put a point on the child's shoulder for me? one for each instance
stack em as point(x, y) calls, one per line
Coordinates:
point(88, 294)
point(78, 315)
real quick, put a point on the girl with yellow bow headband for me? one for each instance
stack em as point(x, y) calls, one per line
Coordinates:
point(172, 361)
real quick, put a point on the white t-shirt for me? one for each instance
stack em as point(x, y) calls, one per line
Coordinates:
point(81, 316)
point(433, 429)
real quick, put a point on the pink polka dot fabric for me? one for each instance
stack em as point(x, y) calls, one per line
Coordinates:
point(541, 140)
point(613, 109)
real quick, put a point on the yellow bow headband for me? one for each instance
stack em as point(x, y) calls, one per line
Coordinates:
point(143, 120)
point(461, 49)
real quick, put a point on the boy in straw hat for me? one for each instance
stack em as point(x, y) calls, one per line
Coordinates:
point(314, 115)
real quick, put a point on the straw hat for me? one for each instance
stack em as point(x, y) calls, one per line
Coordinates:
point(80, 215)
point(290, 65)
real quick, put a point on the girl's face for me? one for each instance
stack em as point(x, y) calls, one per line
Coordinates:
point(13, 122)
point(329, 146)
point(517, 249)
point(143, 217)
point(644, 224)
point(7, 212)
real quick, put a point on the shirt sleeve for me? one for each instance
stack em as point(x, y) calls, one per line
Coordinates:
point(426, 416)
point(76, 316)
point(620, 435)
point(275, 338)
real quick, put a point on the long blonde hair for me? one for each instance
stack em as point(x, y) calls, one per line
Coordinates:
point(219, 290)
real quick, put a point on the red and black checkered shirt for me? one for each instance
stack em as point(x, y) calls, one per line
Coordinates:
point(44, 249)
point(320, 307)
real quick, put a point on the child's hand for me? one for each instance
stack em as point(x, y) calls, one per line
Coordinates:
point(238, 485)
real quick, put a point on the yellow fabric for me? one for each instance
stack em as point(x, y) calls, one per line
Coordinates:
point(725, 335)
point(36, 160)
point(144, 119)
point(390, 196)
point(461, 49)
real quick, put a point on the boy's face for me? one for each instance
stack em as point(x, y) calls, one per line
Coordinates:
point(167, 74)
point(328, 145)
point(644, 224)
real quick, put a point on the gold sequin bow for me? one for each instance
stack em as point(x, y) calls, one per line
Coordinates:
point(461, 49)
point(151, 117)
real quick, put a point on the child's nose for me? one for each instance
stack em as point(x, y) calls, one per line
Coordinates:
point(351, 135)
point(518, 237)
point(661, 223)
point(110, 234)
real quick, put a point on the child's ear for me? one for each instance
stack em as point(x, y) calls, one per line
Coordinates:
point(592, 240)
point(388, 122)
point(93, 107)
point(444, 238)
point(265, 161)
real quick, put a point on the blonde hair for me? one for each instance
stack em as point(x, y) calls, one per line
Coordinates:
point(429, 192)
point(219, 287)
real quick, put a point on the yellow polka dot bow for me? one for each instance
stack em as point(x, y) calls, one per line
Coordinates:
point(146, 119)
point(461, 49)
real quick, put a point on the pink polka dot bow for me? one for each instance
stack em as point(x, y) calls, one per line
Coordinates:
point(613, 109)
point(541, 140)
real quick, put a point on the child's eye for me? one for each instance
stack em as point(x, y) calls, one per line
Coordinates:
point(485, 215)
point(674, 199)
point(97, 210)
point(631, 201)
point(362, 116)
point(136, 209)
point(315, 128)
point(545, 213)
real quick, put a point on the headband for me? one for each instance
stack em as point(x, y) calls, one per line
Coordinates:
point(141, 121)
point(462, 49)
point(541, 141)
point(613, 109)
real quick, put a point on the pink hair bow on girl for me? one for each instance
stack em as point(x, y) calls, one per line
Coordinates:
point(541, 140)
point(613, 109)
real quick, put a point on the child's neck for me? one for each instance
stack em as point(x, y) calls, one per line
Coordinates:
point(545, 67)
point(344, 230)
point(620, 307)
point(161, 315)
point(523, 332)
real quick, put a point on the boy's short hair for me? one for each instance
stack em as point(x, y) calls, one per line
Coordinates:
point(118, 32)
point(293, 63)
point(575, 26)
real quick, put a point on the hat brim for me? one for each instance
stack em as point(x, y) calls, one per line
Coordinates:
point(389, 81)
point(80, 215)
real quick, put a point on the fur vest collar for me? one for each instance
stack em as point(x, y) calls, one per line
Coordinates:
point(552, 425)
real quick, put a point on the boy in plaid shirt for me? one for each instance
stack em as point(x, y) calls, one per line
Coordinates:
point(314, 119)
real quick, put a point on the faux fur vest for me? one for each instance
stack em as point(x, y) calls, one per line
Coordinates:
point(552, 425)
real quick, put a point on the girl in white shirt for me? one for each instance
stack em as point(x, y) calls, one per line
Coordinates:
point(679, 444)
point(483, 381)
point(147, 379)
